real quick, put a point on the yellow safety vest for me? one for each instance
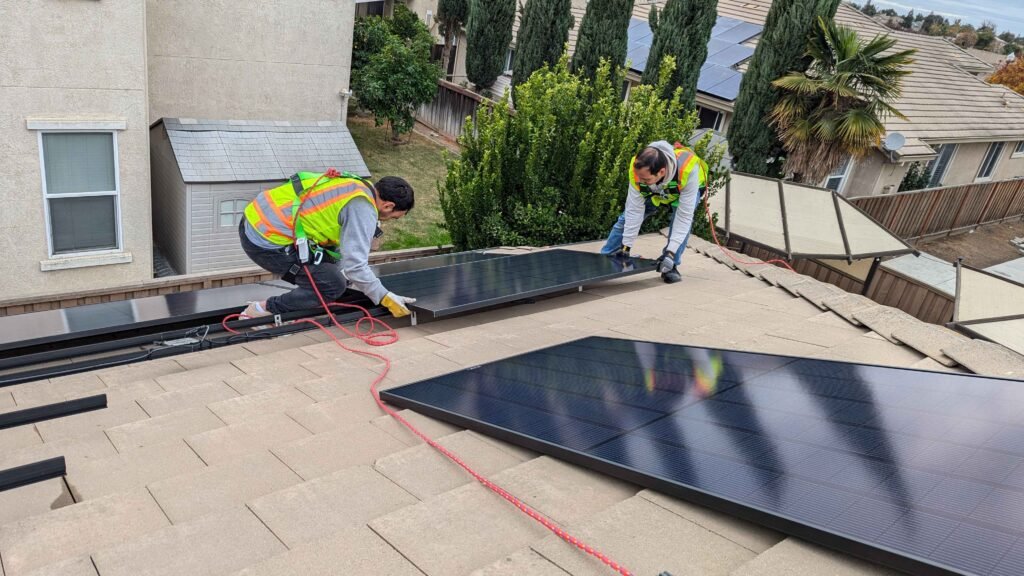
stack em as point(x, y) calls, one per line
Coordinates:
point(273, 212)
point(687, 161)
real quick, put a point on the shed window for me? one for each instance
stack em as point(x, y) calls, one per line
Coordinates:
point(231, 212)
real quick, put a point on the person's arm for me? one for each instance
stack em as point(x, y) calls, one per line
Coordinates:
point(358, 222)
point(684, 212)
point(634, 216)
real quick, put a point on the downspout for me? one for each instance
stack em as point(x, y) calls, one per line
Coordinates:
point(345, 96)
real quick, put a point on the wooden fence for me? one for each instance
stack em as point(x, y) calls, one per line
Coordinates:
point(923, 214)
point(447, 113)
point(885, 287)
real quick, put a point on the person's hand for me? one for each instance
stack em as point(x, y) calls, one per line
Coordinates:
point(667, 262)
point(397, 305)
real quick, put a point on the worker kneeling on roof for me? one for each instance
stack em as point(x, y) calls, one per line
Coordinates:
point(661, 176)
point(321, 220)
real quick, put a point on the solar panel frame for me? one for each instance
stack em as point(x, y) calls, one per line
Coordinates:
point(859, 503)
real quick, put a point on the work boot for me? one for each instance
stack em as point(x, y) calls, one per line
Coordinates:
point(672, 276)
point(254, 310)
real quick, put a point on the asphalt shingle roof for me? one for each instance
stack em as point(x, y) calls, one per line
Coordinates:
point(211, 151)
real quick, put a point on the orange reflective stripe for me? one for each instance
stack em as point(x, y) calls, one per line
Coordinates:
point(325, 205)
point(265, 222)
point(686, 168)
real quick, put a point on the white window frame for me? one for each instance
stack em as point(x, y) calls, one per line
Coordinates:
point(843, 178)
point(116, 193)
point(234, 204)
point(995, 163)
point(719, 117)
point(510, 56)
point(1018, 151)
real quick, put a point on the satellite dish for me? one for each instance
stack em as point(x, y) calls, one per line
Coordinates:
point(894, 141)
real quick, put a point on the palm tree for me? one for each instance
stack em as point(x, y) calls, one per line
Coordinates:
point(835, 109)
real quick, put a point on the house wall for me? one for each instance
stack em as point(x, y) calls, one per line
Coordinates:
point(215, 247)
point(872, 175)
point(1010, 167)
point(71, 62)
point(170, 201)
point(965, 165)
point(221, 59)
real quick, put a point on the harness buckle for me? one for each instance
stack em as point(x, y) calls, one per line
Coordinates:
point(318, 256)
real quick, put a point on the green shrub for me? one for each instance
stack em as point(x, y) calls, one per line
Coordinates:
point(556, 169)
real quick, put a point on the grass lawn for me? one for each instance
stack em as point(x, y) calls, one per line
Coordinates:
point(421, 163)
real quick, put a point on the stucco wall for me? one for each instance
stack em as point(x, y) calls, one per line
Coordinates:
point(1010, 167)
point(965, 165)
point(871, 174)
point(249, 60)
point(71, 61)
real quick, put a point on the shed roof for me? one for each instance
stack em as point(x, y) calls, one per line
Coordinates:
point(217, 151)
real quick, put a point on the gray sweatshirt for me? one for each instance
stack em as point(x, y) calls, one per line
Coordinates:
point(683, 219)
point(358, 221)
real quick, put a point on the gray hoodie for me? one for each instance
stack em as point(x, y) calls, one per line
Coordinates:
point(683, 219)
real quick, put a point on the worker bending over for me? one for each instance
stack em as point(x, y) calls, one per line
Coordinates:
point(661, 176)
point(321, 220)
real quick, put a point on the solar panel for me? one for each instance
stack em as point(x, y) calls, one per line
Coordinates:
point(728, 89)
point(731, 55)
point(921, 471)
point(712, 75)
point(439, 261)
point(480, 284)
point(51, 326)
point(724, 24)
point(740, 33)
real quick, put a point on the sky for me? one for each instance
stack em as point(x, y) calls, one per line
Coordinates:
point(1007, 14)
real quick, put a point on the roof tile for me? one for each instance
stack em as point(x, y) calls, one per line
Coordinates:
point(238, 440)
point(358, 444)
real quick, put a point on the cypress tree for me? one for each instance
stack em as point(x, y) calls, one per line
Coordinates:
point(681, 30)
point(543, 32)
point(488, 36)
point(451, 16)
point(781, 50)
point(604, 34)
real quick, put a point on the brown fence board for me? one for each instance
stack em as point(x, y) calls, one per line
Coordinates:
point(937, 211)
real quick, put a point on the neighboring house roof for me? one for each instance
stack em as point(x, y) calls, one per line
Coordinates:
point(212, 151)
point(942, 99)
point(993, 59)
point(272, 456)
point(719, 76)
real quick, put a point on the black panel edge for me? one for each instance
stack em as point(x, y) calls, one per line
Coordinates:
point(51, 411)
point(32, 473)
point(769, 520)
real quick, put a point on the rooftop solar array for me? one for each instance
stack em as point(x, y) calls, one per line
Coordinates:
point(725, 50)
point(921, 471)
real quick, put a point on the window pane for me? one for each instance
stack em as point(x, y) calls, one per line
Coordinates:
point(991, 158)
point(240, 206)
point(81, 224)
point(77, 162)
point(707, 118)
point(1020, 148)
point(227, 220)
point(226, 207)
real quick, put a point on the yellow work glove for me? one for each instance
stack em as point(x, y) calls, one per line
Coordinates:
point(397, 305)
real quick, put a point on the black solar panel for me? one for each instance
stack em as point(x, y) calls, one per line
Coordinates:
point(427, 262)
point(921, 471)
point(483, 283)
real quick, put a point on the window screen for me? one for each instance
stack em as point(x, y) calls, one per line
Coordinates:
point(988, 166)
point(79, 171)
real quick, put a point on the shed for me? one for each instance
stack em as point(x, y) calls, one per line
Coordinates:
point(206, 171)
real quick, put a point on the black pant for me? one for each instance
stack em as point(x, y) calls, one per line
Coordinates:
point(327, 275)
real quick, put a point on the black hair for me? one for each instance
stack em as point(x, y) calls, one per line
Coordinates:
point(397, 190)
point(652, 159)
